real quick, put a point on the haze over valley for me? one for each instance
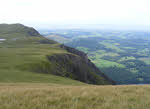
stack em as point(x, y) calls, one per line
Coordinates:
point(74, 54)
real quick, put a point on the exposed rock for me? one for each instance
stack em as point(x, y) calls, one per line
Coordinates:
point(84, 59)
point(75, 51)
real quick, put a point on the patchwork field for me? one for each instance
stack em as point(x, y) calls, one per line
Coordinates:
point(123, 56)
point(52, 96)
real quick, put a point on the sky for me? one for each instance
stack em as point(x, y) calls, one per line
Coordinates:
point(42, 13)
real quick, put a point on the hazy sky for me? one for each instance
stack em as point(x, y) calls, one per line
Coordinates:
point(44, 12)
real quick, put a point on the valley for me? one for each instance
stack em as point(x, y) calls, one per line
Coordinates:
point(122, 55)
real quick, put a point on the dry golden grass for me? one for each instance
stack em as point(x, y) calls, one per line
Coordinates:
point(51, 96)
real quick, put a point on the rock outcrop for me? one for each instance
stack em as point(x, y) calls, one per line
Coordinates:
point(79, 67)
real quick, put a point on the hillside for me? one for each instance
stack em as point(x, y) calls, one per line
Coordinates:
point(124, 56)
point(26, 56)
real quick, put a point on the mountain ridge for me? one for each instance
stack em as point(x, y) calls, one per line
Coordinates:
point(39, 55)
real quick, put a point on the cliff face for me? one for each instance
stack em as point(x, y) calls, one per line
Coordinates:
point(76, 65)
point(75, 51)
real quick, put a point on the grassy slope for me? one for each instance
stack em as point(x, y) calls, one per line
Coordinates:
point(50, 96)
point(21, 51)
point(13, 59)
point(24, 54)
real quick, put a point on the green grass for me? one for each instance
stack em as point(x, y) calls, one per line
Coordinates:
point(51, 96)
point(112, 46)
point(15, 76)
point(146, 60)
point(14, 59)
point(126, 58)
point(101, 63)
point(129, 48)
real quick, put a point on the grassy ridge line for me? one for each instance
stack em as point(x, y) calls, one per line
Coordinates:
point(50, 96)
point(25, 56)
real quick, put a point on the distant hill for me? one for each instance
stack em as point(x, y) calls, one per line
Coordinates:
point(26, 56)
point(58, 38)
point(17, 28)
point(124, 56)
